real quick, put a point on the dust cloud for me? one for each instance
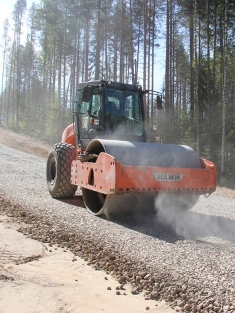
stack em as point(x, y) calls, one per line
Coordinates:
point(190, 224)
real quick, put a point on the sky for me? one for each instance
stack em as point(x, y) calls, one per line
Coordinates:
point(7, 7)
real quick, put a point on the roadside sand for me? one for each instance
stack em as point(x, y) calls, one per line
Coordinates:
point(37, 278)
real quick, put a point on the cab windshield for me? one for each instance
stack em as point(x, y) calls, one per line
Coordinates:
point(109, 111)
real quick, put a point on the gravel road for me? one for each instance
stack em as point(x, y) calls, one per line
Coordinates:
point(187, 259)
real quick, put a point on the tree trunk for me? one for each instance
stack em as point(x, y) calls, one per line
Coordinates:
point(98, 44)
point(224, 87)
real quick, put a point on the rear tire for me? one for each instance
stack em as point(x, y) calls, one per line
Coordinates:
point(58, 170)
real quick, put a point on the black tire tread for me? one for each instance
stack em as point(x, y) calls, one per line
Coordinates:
point(61, 187)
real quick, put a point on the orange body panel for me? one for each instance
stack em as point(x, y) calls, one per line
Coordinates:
point(107, 176)
point(99, 176)
point(68, 135)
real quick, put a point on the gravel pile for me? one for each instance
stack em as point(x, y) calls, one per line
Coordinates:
point(186, 259)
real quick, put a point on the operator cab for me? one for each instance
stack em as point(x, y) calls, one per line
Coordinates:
point(109, 110)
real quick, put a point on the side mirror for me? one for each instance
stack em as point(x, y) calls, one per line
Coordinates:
point(159, 102)
point(87, 92)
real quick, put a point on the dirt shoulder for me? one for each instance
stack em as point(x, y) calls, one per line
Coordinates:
point(36, 277)
point(23, 142)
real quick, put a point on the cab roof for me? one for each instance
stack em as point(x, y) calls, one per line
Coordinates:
point(110, 84)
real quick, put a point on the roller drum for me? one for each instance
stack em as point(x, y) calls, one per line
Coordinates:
point(138, 154)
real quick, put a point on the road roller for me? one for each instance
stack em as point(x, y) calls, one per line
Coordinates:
point(104, 152)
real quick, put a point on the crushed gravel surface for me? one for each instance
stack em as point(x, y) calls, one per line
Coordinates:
point(186, 259)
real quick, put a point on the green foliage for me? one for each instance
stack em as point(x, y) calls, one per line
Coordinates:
point(54, 122)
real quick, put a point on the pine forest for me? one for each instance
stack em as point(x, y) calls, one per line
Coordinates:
point(47, 48)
